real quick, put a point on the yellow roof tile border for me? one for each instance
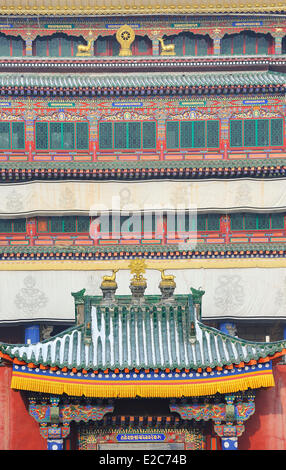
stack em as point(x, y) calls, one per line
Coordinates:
point(83, 265)
point(138, 7)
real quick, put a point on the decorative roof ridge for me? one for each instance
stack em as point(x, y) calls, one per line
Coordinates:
point(236, 339)
point(42, 353)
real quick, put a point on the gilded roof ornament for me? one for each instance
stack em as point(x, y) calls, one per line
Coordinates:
point(138, 267)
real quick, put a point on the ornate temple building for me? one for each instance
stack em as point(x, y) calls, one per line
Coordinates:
point(142, 225)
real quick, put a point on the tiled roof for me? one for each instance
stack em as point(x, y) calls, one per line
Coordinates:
point(124, 336)
point(143, 170)
point(144, 80)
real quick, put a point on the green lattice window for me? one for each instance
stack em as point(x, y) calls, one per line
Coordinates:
point(202, 222)
point(11, 46)
point(149, 134)
point(208, 222)
point(212, 134)
point(5, 140)
point(127, 135)
point(172, 134)
point(120, 135)
point(83, 224)
point(192, 134)
point(263, 221)
point(186, 134)
point(56, 224)
point(256, 133)
point(67, 224)
point(12, 135)
point(62, 135)
point(236, 133)
point(213, 222)
point(19, 225)
point(42, 135)
point(252, 221)
point(18, 135)
point(277, 221)
point(246, 42)
point(236, 222)
point(107, 45)
point(12, 225)
point(276, 132)
point(82, 136)
point(105, 135)
point(189, 44)
point(58, 45)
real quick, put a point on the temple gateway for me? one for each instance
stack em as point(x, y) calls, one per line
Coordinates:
point(142, 225)
point(168, 380)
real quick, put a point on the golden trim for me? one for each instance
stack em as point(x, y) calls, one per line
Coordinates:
point(78, 265)
point(146, 7)
point(126, 390)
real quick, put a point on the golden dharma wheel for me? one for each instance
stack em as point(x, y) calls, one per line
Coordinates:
point(125, 36)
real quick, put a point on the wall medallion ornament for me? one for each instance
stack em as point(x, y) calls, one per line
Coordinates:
point(229, 295)
point(30, 299)
point(125, 36)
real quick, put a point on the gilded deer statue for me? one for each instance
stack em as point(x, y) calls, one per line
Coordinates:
point(110, 278)
point(166, 277)
point(167, 49)
point(83, 50)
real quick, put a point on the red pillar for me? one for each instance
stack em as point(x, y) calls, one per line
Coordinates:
point(266, 429)
point(18, 430)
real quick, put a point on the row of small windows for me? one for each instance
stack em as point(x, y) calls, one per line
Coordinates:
point(136, 223)
point(250, 221)
point(186, 43)
point(256, 133)
point(127, 135)
point(192, 134)
point(143, 135)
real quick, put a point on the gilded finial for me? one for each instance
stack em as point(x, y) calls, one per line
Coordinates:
point(137, 267)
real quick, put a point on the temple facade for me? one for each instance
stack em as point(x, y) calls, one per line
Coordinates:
point(142, 225)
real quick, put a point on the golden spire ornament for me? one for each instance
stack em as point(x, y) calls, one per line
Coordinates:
point(137, 267)
point(138, 283)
